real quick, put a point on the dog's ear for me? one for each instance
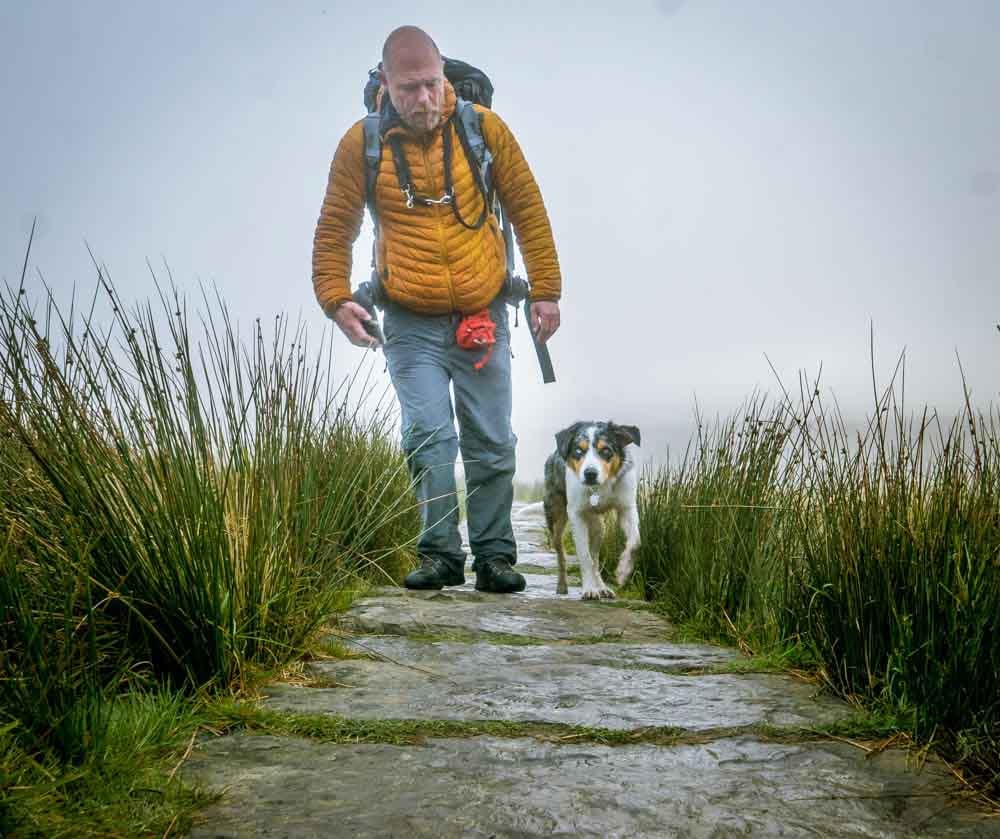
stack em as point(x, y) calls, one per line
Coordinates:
point(565, 438)
point(626, 434)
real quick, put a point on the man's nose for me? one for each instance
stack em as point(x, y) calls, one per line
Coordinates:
point(590, 475)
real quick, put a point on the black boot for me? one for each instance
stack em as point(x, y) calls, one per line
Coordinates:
point(434, 573)
point(495, 574)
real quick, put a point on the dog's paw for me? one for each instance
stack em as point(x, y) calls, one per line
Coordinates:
point(606, 594)
point(603, 593)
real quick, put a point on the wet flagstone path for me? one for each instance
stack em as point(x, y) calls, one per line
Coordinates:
point(732, 754)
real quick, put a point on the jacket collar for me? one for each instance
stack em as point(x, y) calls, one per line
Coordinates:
point(391, 122)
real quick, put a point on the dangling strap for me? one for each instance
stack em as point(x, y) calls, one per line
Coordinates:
point(449, 186)
point(402, 169)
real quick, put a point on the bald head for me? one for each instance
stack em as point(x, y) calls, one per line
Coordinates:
point(413, 73)
point(407, 46)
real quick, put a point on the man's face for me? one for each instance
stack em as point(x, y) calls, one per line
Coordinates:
point(416, 86)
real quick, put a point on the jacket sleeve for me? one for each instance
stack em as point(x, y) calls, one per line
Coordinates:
point(522, 200)
point(340, 221)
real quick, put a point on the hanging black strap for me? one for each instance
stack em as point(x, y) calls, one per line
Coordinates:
point(402, 168)
point(449, 186)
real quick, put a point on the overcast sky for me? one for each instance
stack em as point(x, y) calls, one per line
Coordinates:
point(724, 179)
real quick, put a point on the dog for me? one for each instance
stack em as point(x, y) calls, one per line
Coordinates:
point(591, 472)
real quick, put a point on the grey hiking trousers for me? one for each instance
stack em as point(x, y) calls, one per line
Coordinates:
point(425, 363)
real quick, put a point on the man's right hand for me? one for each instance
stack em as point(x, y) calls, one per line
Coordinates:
point(350, 317)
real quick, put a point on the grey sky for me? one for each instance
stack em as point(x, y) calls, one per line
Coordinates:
point(724, 179)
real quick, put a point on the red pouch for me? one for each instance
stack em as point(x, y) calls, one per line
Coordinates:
point(475, 332)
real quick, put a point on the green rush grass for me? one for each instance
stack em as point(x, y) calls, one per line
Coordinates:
point(178, 506)
point(873, 551)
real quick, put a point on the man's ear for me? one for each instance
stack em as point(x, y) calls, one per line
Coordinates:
point(565, 439)
point(625, 434)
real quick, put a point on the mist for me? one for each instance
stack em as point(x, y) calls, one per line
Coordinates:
point(738, 191)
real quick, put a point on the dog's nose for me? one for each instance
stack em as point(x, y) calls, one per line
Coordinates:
point(590, 475)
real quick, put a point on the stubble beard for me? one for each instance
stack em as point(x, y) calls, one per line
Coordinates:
point(424, 124)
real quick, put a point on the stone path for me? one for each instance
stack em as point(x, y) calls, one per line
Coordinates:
point(699, 751)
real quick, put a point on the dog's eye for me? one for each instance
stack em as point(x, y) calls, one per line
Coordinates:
point(606, 454)
point(577, 452)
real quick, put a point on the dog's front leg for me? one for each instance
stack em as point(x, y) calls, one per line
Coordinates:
point(585, 528)
point(629, 520)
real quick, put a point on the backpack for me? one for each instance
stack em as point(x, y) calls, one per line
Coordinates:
point(472, 86)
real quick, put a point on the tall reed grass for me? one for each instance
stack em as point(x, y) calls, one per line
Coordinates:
point(875, 550)
point(177, 505)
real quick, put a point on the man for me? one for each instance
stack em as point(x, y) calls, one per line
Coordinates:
point(436, 268)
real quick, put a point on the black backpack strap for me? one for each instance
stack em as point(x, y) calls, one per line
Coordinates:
point(402, 169)
point(469, 128)
point(449, 185)
point(470, 131)
point(373, 159)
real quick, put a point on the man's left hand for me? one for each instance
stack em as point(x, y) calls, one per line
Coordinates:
point(544, 319)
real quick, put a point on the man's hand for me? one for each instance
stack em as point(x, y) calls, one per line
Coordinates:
point(544, 319)
point(350, 317)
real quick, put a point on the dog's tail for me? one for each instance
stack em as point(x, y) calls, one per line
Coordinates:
point(529, 510)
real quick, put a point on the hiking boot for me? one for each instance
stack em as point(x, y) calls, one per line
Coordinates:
point(434, 573)
point(496, 575)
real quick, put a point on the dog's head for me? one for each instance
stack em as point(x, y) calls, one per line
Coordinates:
point(595, 451)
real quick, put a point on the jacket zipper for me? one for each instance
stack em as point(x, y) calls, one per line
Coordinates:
point(437, 218)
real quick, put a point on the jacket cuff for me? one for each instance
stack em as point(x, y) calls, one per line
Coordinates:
point(330, 306)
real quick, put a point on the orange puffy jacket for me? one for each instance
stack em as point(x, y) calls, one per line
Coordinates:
point(428, 261)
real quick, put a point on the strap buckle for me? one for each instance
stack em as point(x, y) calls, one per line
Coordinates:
point(412, 198)
point(444, 199)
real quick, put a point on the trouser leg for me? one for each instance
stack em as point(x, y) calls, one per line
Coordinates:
point(483, 408)
point(416, 352)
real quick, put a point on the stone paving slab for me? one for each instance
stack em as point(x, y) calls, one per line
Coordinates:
point(537, 586)
point(595, 685)
point(532, 615)
point(594, 664)
point(665, 658)
point(542, 559)
point(488, 787)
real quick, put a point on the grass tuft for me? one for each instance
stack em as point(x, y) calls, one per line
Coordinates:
point(181, 507)
point(873, 553)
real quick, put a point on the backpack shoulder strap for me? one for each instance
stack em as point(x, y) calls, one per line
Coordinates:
point(471, 128)
point(373, 158)
point(469, 124)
